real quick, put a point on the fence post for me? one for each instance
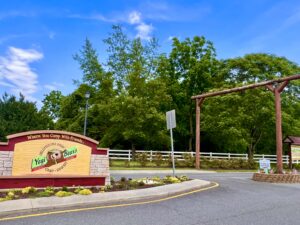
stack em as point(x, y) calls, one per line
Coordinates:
point(150, 155)
point(264, 157)
point(229, 155)
point(129, 155)
point(210, 156)
point(246, 156)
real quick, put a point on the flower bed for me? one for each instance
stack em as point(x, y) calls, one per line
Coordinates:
point(276, 178)
point(121, 185)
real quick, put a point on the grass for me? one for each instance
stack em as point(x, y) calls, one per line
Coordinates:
point(122, 165)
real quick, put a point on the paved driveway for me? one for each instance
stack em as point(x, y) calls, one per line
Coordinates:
point(237, 201)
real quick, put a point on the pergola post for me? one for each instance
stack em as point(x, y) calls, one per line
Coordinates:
point(198, 111)
point(277, 89)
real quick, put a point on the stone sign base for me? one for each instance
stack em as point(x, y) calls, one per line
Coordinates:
point(7, 182)
point(276, 178)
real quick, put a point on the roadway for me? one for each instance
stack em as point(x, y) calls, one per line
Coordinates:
point(237, 201)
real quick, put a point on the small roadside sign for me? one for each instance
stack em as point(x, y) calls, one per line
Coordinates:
point(171, 123)
point(171, 119)
point(264, 164)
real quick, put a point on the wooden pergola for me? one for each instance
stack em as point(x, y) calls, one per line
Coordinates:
point(276, 86)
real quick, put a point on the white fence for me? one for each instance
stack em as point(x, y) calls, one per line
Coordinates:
point(127, 155)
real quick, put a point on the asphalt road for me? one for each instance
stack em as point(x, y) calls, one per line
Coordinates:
point(237, 201)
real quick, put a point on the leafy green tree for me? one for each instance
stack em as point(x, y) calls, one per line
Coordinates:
point(189, 70)
point(52, 104)
point(19, 115)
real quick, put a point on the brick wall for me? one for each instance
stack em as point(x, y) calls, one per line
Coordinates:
point(276, 178)
point(100, 166)
point(6, 159)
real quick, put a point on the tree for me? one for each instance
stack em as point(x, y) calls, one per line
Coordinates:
point(190, 71)
point(19, 115)
point(52, 104)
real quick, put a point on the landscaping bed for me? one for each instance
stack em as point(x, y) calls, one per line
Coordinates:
point(276, 178)
point(121, 185)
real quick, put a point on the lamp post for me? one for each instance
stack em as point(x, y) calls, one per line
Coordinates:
point(87, 96)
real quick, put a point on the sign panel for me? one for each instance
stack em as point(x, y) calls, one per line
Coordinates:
point(264, 164)
point(51, 156)
point(171, 119)
point(295, 151)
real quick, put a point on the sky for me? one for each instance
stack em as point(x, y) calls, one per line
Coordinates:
point(39, 38)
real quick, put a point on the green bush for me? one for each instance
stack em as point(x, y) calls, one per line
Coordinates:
point(142, 158)
point(171, 180)
point(85, 192)
point(63, 194)
point(189, 160)
point(65, 189)
point(45, 193)
point(49, 188)
point(10, 195)
point(28, 190)
point(78, 189)
point(108, 187)
point(158, 159)
point(123, 179)
point(183, 178)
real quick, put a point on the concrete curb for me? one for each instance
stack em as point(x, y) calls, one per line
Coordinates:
point(36, 204)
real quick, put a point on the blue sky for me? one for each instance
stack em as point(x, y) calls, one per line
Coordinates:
point(38, 38)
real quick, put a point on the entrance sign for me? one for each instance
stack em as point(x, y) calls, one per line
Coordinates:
point(264, 164)
point(171, 123)
point(295, 152)
point(56, 156)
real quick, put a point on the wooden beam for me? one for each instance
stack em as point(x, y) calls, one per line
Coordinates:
point(250, 86)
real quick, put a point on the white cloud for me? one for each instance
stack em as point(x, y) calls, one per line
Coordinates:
point(16, 73)
point(53, 86)
point(134, 17)
point(144, 31)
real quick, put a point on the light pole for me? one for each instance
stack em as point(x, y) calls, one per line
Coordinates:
point(87, 96)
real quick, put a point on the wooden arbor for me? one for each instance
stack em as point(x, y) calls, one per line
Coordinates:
point(276, 86)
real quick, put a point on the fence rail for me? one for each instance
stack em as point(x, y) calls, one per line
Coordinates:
point(127, 155)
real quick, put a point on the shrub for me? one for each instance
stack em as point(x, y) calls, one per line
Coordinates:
point(189, 160)
point(171, 180)
point(50, 189)
point(123, 179)
point(112, 180)
point(3, 199)
point(44, 193)
point(183, 178)
point(65, 189)
point(158, 159)
point(108, 187)
point(85, 192)
point(142, 158)
point(10, 195)
point(78, 189)
point(28, 190)
point(63, 194)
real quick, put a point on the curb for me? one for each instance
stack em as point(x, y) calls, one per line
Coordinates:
point(131, 196)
